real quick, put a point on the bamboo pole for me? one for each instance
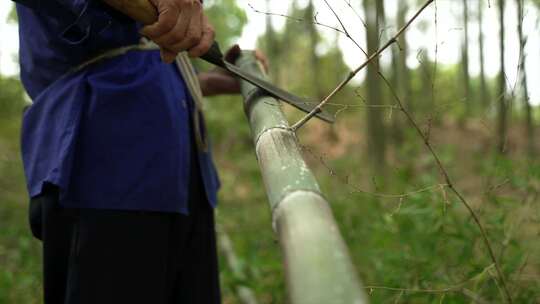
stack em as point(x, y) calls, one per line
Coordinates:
point(243, 292)
point(317, 264)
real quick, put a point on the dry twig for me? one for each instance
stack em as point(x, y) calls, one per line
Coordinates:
point(357, 189)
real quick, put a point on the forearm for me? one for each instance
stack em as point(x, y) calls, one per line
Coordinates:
point(140, 10)
point(213, 83)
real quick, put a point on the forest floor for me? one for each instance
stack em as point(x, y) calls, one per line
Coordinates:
point(424, 240)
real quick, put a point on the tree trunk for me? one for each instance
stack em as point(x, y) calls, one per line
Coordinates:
point(465, 65)
point(272, 50)
point(397, 132)
point(316, 83)
point(286, 74)
point(404, 87)
point(427, 93)
point(502, 124)
point(484, 91)
point(314, 59)
point(375, 128)
point(525, 92)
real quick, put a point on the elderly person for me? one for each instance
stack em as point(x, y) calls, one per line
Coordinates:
point(121, 180)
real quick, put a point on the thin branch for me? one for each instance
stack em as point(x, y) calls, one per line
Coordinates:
point(275, 14)
point(455, 288)
point(344, 28)
point(473, 296)
point(404, 195)
point(348, 2)
point(444, 290)
point(379, 106)
point(296, 19)
point(352, 74)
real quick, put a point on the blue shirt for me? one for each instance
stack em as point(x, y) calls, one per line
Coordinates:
point(115, 135)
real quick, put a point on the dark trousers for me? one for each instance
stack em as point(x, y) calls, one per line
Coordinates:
point(107, 256)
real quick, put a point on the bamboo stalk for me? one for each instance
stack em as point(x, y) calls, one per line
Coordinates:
point(243, 292)
point(317, 263)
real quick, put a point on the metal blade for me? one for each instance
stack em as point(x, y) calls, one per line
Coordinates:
point(215, 56)
point(272, 90)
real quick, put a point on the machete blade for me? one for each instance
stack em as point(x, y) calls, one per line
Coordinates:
point(215, 56)
point(272, 90)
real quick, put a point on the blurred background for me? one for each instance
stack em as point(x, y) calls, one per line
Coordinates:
point(462, 70)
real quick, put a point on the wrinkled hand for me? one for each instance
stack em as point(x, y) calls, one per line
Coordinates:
point(181, 26)
point(219, 81)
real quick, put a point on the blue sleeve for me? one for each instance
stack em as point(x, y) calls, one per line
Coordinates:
point(75, 7)
point(82, 17)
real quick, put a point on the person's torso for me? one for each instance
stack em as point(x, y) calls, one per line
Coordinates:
point(115, 135)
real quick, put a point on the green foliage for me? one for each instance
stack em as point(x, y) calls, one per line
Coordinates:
point(227, 18)
point(12, 17)
point(11, 96)
point(20, 268)
point(19, 254)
